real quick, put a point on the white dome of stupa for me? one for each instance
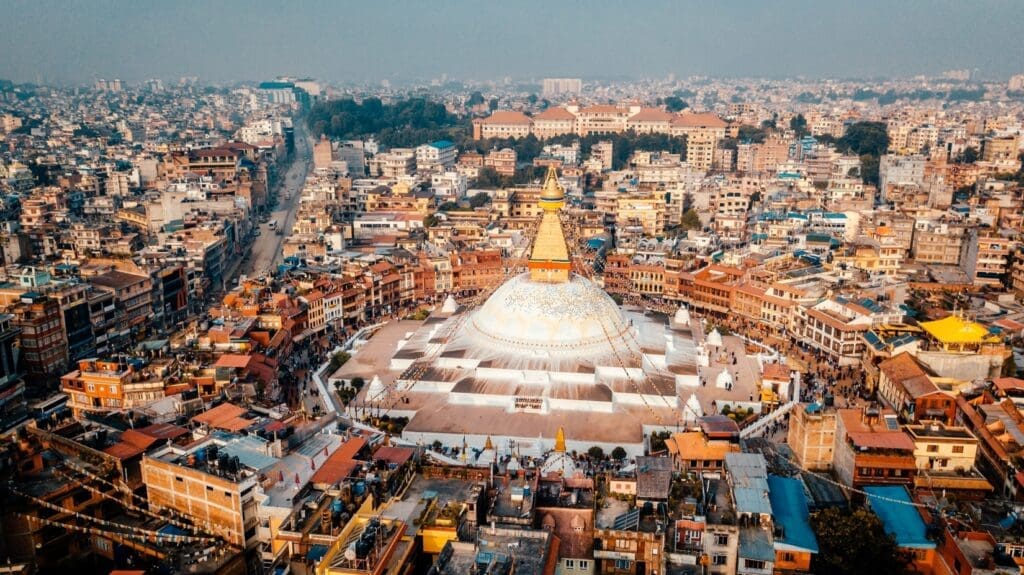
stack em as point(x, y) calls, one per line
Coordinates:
point(714, 338)
point(575, 318)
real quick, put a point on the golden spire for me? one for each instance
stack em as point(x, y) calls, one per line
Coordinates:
point(560, 441)
point(552, 196)
point(488, 444)
point(549, 261)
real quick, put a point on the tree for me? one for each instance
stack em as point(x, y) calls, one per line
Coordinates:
point(968, 156)
point(798, 124)
point(488, 178)
point(475, 99)
point(532, 99)
point(595, 452)
point(752, 133)
point(430, 221)
point(865, 138)
point(448, 206)
point(358, 383)
point(479, 200)
point(855, 543)
point(618, 454)
point(675, 104)
point(337, 360)
point(493, 104)
point(869, 169)
point(690, 220)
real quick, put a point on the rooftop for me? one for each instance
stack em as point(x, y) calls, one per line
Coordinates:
point(790, 512)
point(899, 515)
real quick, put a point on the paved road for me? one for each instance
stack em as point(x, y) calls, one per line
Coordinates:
point(266, 249)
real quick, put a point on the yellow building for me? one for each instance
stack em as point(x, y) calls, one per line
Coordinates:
point(958, 334)
point(370, 544)
point(648, 213)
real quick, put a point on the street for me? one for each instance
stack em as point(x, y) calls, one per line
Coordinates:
point(266, 248)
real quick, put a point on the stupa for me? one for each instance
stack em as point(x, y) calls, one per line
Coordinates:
point(549, 349)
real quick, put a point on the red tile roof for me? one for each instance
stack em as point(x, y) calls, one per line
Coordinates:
point(394, 455)
point(340, 464)
point(507, 117)
point(701, 120)
point(138, 439)
point(163, 431)
point(123, 450)
point(233, 360)
point(555, 113)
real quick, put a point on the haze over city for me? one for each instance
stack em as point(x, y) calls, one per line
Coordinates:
point(730, 287)
point(228, 41)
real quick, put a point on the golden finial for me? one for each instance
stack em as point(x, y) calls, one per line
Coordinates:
point(552, 196)
point(488, 444)
point(560, 441)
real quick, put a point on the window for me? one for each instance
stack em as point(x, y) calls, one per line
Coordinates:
point(719, 559)
point(788, 557)
point(622, 563)
point(570, 563)
point(721, 539)
point(584, 564)
point(753, 564)
point(958, 449)
point(933, 448)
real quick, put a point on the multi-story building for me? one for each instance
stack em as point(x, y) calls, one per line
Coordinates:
point(908, 389)
point(937, 243)
point(502, 161)
point(703, 132)
point(502, 124)
point(872, 450)
point(812, 435)
point(215, 491)
point(986, 258)
point(436, 156)
point(116, 385)
point(134, 300)
point(43, 341)
point(554, 87)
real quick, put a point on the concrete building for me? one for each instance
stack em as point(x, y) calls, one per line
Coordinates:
point(812, 435)
point(207, 484)
point(557, 87)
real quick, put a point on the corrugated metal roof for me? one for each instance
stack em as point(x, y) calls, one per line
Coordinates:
point(790, 511)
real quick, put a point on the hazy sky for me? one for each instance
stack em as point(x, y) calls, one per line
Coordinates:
point(369, 40)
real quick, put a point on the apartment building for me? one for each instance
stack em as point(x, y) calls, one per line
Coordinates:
point(206, 484)
point(43, 341)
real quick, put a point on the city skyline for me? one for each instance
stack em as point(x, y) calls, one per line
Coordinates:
point(53, 43)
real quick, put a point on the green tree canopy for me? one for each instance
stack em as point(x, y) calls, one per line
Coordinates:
point(968, 156)
point(855, 543)
point(690, 220)
point(798, 124)
point(403, 123)
point(618, 453)
point(595, 452)
point(865, 138)
point(675, 104)
point(479, 199)
point(475, 99)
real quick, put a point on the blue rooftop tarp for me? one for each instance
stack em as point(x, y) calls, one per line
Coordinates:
point(316, 553)
point(790, 510)
point(892, 504)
